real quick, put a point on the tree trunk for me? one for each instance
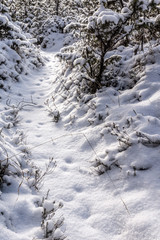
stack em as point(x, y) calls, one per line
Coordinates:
point(57, 7)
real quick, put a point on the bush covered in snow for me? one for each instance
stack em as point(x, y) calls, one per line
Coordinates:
point(42, 19)
point(123, 106)
point(92, 58)
point(18, 178)
point(10, 164)
point(17, 54)
point(46, 33)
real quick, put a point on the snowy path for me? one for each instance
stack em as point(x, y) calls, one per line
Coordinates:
point(92, 208)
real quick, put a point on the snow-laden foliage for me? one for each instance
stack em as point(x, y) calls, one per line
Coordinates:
point(14, 155)
point(10, 164)
point(128, 121)
point(111, 54)
point(106, 94)
point(132, 123)
point(91, 58)
point(18, 177)
point(46, 33)
point(17, 53)
point(43, 19)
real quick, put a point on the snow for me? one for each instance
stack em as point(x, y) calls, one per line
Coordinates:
point(120, 204)
point(48, 205)
point(79, 61)
point(104, 16)
point(107, 16)
point(3, 20)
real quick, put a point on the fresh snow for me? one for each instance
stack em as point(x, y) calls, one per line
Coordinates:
point(122, 204)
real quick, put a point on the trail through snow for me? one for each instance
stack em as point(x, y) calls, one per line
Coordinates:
point(92, 209)
point(93, 206)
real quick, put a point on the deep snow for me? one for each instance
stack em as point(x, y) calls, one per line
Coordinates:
point(121, 204)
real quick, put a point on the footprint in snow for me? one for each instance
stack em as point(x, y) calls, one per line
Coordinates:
point(83, 212)
point(41, 94)
point(64, 168)
point(28, 121)
point(67, 198)
point(41, 123)
point(39, 136)
point(68, 160)
point(78, 188)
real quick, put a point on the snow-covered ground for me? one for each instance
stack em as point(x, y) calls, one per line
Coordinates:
point(121, 204)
